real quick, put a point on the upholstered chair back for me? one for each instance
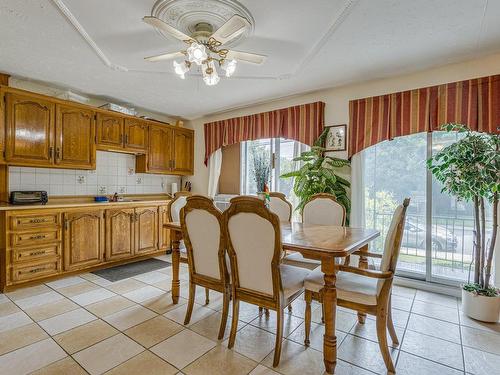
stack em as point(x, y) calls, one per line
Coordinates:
point(201, 224)
point(323, 209)
point(175, 206)
point(254, 246)
point(279, 205)
point(393, 239)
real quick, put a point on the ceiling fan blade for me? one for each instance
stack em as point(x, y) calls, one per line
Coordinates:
point(166, 28)
point(234, 27)
point(252, 58)
point(164, 56)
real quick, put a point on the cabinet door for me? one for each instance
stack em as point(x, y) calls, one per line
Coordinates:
point(75, 137)
point(119, 233)
point(30, 130)
point(164, 234)
point(160, 146)
point(83, 239)
point(136, 135)
point(183, 151)
point(109, 131)
point(146, 229)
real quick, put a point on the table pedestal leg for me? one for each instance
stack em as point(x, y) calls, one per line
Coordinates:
point(330, 311)
point(176, 240)
point(363, 264)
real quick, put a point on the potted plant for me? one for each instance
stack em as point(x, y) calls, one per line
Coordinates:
point(261, 170)
point(317, 174)
point(469, 169)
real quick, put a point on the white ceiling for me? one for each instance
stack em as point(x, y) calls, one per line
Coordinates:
point(310, 44)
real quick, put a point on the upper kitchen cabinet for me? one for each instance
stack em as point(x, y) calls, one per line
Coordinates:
point(75, 137)
point(29, 130)
point(183, 160)
point(159, 156)
point(110, 132)
point(136, 135)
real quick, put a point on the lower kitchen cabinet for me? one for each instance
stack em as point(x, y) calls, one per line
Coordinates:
point(119, 233)
point(146, 229)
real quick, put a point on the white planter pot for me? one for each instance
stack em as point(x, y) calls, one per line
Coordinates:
point(485, 309)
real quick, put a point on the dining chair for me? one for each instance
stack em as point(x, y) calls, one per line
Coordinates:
point(253, 237)
point(363, 290)
point(279, 205)
point(201, 224)
point(173, 210)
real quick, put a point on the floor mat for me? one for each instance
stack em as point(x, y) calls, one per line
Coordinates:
point(125, 271)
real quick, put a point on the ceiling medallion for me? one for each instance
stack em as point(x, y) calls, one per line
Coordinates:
point(207, 27)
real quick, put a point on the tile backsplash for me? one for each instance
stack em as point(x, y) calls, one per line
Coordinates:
point(114, 172)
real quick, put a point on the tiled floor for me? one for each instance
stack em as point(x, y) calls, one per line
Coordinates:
point(85, 324)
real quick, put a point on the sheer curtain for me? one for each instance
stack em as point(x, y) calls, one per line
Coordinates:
point(214, 167)
point(357, 191)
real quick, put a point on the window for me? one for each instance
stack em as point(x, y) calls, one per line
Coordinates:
point(438, 238)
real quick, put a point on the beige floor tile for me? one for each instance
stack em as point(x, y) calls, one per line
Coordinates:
point(28, 292)
point(92, 296)
point(220, 361)
point(268, 322)
point(101, 281)
point(31, 357)
point(432, 310)
point(109, 306)
point(107, 354)
point(3, 298)
point(18, 319)
point(67, 281)
point(481, 363)
point(39, 300)
point(472, 323)
point(434, 327)
point(66, 321)
point(364, 353)
point(84, 336)
point(153, 331)
point(297, 359)
point(315, 337)
point(50, 310)
point(399, 317)
point(401, 303)
point(129, 317)
point(349, 369)
point(66, 366)
point(162, 304)
point(368, 330)
point(343, 322)
point(209, 327)
point(403, 291)
point(165, 285)
point(19, 337)
point(144, 293)
point(125, 286)
point(79, 288)
point(263, 370)
point(409, 365)
point(183, 348)
point(248, 312)
point(7, 308)
point(153, 277)
point(253, 342)
point(144, 363)
point(441, 351)
point(481, 340)
point(436, 298)
point(199, 313)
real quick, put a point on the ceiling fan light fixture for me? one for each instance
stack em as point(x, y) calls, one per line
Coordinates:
point(229, 66)
point(210, 76)
point(196, 53)
point(182, 68)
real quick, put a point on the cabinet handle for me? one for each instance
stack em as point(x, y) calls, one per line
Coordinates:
point(37, 237)
point(126, 139)
point(58, 153)
point(51, 151)
point(34, 221)
point(66, 224)
point(35, 270)
point(173, 164)
point(34, 253)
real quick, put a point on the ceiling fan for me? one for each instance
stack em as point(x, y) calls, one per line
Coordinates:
point(205, 48)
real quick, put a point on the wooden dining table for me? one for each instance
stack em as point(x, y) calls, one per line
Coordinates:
point(321, 242)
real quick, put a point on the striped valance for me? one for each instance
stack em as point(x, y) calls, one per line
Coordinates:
point(303, 123)
point(474, 102)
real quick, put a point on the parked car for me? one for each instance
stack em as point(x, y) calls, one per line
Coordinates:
point(442, 238)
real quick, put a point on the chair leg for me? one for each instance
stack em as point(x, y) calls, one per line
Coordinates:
point(361, 318)
point(322, 313)
point(261, 309)
point(307, 317)
point(234, 322)
point(290, 308)
point(266, 311)
point(207, 294)
point(192, 292)
point(225, 311)
point(279, 336)
point(390, 325)
point(382, 340)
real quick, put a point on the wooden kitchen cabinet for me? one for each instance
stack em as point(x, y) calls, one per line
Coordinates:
point(83, 239)
point(29, 130)
point(109, 131)
point(158, 158)
point(163, 233)
point(136, 135)
point(146, 229)
point(183, 149)
point(120, 233)
point(75, 137)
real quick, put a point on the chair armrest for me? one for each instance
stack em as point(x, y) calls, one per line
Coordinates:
point(368, 273)
point(370, 255)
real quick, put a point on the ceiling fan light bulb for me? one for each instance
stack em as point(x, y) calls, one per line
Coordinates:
point(181, 68)
point(196, 53)
point(229, 67)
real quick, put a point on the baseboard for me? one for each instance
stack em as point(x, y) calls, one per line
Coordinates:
point(453, 291)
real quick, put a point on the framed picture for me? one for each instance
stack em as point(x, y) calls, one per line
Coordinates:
point(336, 139)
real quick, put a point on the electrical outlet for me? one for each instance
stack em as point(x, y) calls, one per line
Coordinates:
point(81, 179)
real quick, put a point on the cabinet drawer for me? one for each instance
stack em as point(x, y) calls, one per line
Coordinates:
point(20, 222)
point(35, 270)
point(40, 237)
point(35, 253)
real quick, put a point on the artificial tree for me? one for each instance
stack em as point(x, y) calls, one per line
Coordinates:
point(261, 168)
point(469, 169)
